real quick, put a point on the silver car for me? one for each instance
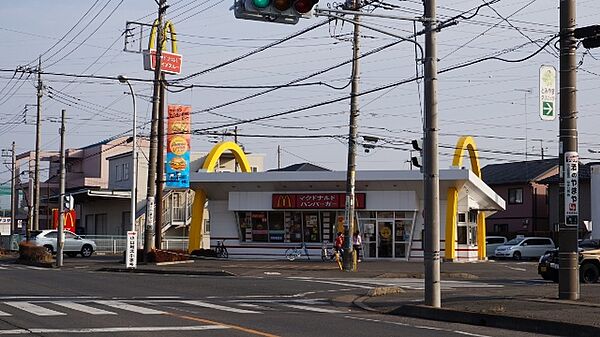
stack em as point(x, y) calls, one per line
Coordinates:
point(73, 243)
point(522, 247)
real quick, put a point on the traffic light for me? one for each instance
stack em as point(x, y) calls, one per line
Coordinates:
point(68, 202)
point(417, 145)
point(280, 11)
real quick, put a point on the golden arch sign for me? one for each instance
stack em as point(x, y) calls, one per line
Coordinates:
point(464, 143)
point(200, 196)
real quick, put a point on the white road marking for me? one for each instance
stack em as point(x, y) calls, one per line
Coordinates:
point(2, 313)
point(220, 307)
point(416, 326)
point(83, 308)
point(254, 306)
point(130, 307)
point(334, 283)
point(3, 267)
point(113, 329)
point(408, 283)
point(315, 309)
point(34, 309)
point(515, 268)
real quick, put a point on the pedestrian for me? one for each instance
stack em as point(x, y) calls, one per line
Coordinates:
point(357, 245)
point(339, 242)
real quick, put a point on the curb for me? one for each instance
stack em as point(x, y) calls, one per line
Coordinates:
point(497, 321)
point(168, 272)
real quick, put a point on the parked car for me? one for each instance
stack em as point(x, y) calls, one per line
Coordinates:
point(493, 242)
point(524, 247)
point(589, 254)
point(73, 245)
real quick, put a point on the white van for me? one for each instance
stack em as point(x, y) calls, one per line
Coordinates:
point(493, 242)
point(522, 247)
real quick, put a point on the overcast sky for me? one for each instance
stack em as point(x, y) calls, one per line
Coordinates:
point(488, 100)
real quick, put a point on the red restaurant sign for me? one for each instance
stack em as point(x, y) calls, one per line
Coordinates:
point(170, 62)
point(315, 201)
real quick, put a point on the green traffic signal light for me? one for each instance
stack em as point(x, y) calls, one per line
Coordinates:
point(261, 3)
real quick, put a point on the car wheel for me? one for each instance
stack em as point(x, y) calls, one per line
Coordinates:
point(49, 249)
point(86, 251)
point(517, 255)
point(589, 273)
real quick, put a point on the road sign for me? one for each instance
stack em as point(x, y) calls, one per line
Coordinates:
point(547, 93)
point(131, 258)
point(571, 188)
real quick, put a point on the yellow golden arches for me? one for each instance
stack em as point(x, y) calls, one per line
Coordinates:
point(168, 28)
point(464, 143)
point(200, 197)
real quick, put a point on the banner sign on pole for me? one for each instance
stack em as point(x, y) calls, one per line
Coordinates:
point(571, 188)
point(178, 146)
point(547, 93)
point(131, 258)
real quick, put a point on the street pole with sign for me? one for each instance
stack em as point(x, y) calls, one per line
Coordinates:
point(547, 93)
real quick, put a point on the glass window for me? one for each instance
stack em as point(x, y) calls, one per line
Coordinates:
point(69, 235)
point(276, 227)
point(328, 221)
point(501, 228)
point(126, 171)
point(118, 172)
point(245, 223)
point(462, 217)
point(366, 215)
point(311, 227)
point(260, 229)
point(462, 235)
point(293, 222)
point(515, 195)
point(385, 215)
point(51, 235)
point(473, 216)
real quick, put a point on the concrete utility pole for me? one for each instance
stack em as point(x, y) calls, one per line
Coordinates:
point(160, 166)
point(13, 184)
point(278, 156)
point(348, 263)
point(36, 180)
point(568, 286)
point(151, 190)
point(430, 163)
point(61, 204)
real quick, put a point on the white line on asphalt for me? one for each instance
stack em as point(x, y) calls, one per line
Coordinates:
point(254, 306)
point(415, 326)
point(331, 282)
point(83, 308)
point(3, 268)
point(42, 297)
point(115, 329)
point(220, 307)
point(2, 313)
point(518, 269)
point(315, 309)
point(34, 309)
point(130, 307)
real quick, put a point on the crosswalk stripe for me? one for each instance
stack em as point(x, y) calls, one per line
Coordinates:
point(130, 307)
point(83, 308)
point(111, 329)
point(34, 309)
point(220, 307)
point(3, 267)
point(2, 313)
point(315, 309)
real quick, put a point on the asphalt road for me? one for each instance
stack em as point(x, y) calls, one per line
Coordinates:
point(79, 301)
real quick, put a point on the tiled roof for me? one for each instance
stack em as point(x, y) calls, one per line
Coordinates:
point(518, 172)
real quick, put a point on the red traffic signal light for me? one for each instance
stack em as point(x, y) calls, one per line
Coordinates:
point(304, 6)
point(282, 5)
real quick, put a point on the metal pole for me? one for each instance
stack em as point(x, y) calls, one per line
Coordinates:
point(61, 210)
point(151, 189)
point(430, 164)
point(348, 263)
point(36, 190)
point(13, 184)
point(133, 207)
point(160, 166)
point(568, 287)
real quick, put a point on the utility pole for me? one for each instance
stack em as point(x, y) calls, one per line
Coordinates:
point(348, 263)
point(568, 286)
point(151, 190)
point(61, 209)
point(13, 184)
point(160, 165)
point(430, 163)
point(36, 180)
point(278, 156)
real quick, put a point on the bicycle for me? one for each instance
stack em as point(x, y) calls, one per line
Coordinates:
point(326, 252)
point(221, 250)
point(293, 253)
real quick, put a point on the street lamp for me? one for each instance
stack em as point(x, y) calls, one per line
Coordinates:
point(525, 91)
point(124, 79)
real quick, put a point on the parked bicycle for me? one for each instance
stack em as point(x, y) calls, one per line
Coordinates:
point(327, 253)
point(294, 253)
point(221, 250)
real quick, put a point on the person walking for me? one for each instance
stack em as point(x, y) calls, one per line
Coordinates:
point(339, 242)
point(357, 245)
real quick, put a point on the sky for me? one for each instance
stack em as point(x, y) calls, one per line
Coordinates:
point(225, 60)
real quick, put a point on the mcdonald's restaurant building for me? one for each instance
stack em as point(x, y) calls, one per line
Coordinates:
point(261, 214)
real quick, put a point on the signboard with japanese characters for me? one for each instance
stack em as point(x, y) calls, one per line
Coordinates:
point(571, 188)
point(315, 201)
point(178, 146)
point(131, 255)
point(547, 93)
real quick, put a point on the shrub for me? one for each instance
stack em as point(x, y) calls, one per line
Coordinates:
point(204, 252)
point(30, 253)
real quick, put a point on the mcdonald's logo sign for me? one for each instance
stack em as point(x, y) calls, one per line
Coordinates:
point(170, 61)
point(69, 219)
point(284, 201)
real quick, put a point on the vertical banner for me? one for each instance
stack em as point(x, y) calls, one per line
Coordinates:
point(178, 146)
point(131, 258)
point(547, 93)
point(571, 189)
